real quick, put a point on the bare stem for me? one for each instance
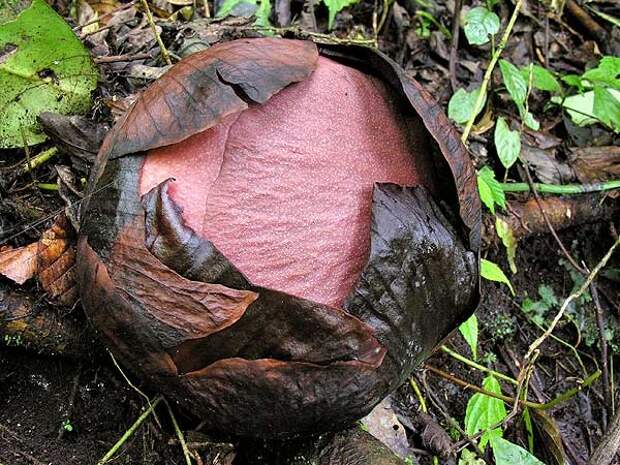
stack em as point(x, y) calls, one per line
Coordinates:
point(179, 434)
point(132, 429)
point(489, 72)
point(162, 48)
point(477, 366)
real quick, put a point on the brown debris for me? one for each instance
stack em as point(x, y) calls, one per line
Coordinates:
point(19, 265)
point(596, 164)
point(525, 218)
point(51, 260)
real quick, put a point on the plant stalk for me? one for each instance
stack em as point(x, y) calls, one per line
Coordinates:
point(561, 189)
point(132, 429)
point(489, 72)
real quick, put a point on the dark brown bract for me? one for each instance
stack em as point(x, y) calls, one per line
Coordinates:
point(247, 358)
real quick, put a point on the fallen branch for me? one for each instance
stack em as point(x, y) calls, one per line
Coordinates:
point(525, 218)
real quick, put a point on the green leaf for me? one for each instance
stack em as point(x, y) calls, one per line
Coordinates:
point(262, 14)
point(606, 108)
point(542, 78)
point(529, 119)
point(470, 458)
point(480, 25)
point(507, 236)
point(469, 330)
point(515, 84)
point(507, 143)
point(508, 453)
point(483, 412)
point(573, 80)
point(580, 107)
point(230, 7)
point(529, 428)
point(44, 67)
point(490, 189)
point(547, 295)
point(492, 272)
point(606, 73)
point(334, 6)
point(461, 105)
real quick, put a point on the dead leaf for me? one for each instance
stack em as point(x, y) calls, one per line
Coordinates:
point(383, 424)
point(19, 265)
point(433, 436)
point(596, 164)
point(56, 262)
point(547, 168)
point(550, 437)
point(51, 259)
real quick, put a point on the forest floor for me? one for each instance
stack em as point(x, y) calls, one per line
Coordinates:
point(72, 409)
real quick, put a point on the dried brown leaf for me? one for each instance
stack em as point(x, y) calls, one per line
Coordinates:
point(19, 265)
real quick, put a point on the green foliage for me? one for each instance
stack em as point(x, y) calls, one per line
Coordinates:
point(263, 10)
point(469, 330)
point(529, 120)
point(426, 19)
point(261, 13)
point(529, 428)
point(501, 326)
point(490, 189)
point(507, 143)
point(517, 86)
point(515, 83)
point(334, 6)
point(488, 359)
point(542, 79)
point(537, 310)
point(45, 67)
point(67, 426)
point(228, 6)
point(607, 107)
point(581, 313)
point(598, 100)
point(505, 233)
point(470, 458)
point(492, 272)
point(483, 412)
point(508, 453)
point(462, 103)
point(605, 74)
point(480, 25)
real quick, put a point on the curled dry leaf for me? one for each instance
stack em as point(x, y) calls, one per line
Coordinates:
point(276, 233)
point(51, 260)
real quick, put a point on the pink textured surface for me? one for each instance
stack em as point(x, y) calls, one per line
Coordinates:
point(284, 189)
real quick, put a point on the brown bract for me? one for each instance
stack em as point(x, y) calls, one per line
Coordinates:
point(251, 360)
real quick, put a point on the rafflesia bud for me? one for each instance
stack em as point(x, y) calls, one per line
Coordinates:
point(278, 233)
